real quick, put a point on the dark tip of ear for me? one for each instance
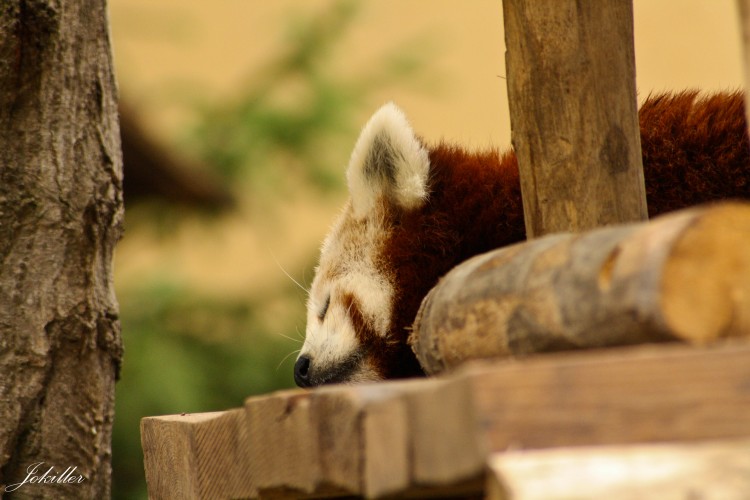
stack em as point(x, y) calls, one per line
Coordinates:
point(380, 163)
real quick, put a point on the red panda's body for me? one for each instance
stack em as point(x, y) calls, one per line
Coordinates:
point(416, 212)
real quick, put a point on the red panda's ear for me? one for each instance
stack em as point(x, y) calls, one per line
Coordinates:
point(388, 162)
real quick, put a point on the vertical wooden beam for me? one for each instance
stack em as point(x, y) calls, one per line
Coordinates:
point(744, 11)
point(573, 110)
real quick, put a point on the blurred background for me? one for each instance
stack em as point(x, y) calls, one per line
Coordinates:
point(238, 117)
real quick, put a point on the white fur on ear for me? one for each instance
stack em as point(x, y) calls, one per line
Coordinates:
point(388, 160)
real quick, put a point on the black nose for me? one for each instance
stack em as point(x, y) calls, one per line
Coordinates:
point(302, 371)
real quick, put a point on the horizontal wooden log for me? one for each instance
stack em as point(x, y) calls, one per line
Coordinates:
point(715, 469)
point(683, 276)
point(431, 438)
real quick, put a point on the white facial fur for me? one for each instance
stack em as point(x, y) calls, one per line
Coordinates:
point(388, 166)
point(347, 266)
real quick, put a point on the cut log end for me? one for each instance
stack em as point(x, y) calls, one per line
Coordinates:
point(710, 260)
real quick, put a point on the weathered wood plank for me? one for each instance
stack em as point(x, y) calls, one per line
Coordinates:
point(427, 438)
point(283, 455)
point(640, 394)
point(387, 465)
point(446, 448)
point(573, 111)
point(715, 469)
point(629, 395)
point(338, 440)
point(197, 456)
point(682, 276)
point(363, 437)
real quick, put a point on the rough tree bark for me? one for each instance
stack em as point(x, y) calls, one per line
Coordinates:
point(60, 217)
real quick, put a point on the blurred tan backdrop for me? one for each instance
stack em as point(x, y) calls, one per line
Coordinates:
point(167, 48)
point(217, 45)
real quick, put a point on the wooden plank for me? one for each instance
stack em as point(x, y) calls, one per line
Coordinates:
point(718, 470)
point(387, 466)
point(337, 440)
point(427, 438)
point(684, 275)
point(573, 111)
point(617, 396)
point(168, 457)
point(201, 455)
point(283, 456)
point(629, 395)
point(365, 436)
point(446, 448)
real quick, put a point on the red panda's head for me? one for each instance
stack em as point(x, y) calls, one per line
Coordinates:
point(415, 212)
point(350, 333)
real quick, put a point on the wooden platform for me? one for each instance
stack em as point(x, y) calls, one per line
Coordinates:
point(454, 435)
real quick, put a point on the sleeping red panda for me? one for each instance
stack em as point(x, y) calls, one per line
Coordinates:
point(415, 211)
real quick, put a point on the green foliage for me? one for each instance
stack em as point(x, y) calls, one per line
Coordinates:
point(190, 353)
point(296, 106)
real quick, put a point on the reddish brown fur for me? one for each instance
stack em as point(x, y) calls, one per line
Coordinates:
point(694, 150)
point(378, 350)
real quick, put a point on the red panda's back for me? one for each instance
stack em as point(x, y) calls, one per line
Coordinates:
point(695, 149)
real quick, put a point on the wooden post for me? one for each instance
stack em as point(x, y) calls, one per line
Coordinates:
point(744, 10)
point(573, 111)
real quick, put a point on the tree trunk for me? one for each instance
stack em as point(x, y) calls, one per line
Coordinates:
point(60, 217)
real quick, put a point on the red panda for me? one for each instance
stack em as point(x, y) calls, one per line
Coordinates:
point(415, 211)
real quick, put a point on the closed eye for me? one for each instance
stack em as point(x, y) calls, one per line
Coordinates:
point(324, 309)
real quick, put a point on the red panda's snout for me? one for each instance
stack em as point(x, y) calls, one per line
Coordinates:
point(345, 340)
point(307, 373)
point(350, 334)
point(348, 311)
